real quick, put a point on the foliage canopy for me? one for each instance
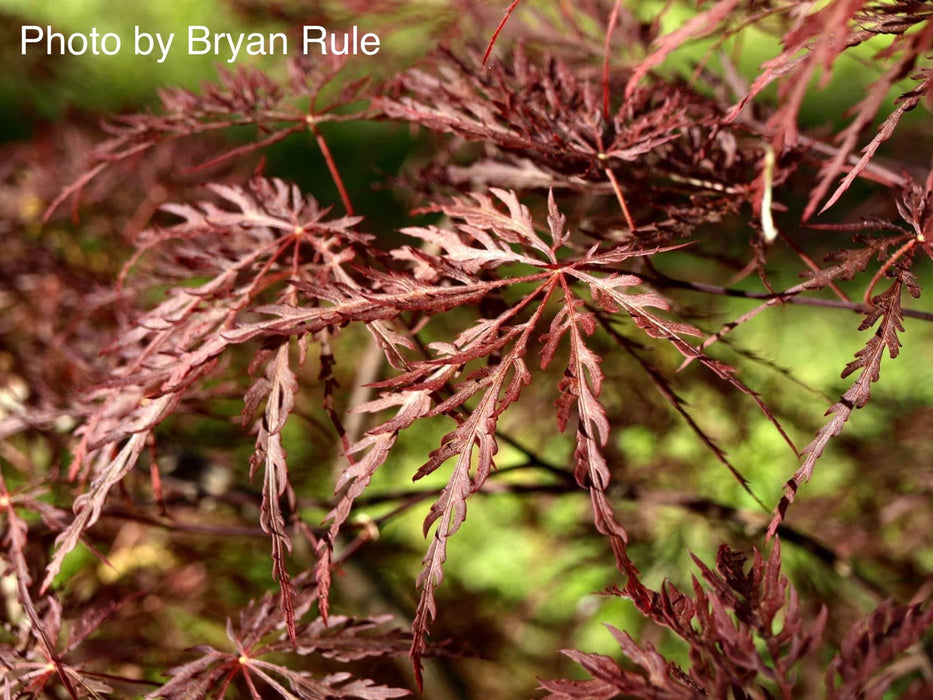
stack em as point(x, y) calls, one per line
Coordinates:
point(590, 184)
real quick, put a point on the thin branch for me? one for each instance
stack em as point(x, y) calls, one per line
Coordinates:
point(661, 280)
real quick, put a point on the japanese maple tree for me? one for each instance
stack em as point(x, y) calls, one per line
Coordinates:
point(588, 182)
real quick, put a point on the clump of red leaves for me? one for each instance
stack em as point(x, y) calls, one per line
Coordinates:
point(748, 638)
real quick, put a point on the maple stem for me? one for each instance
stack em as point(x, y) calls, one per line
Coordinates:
point(332, 167)
point(156, 479)
point(661, 279)
point(613, 18)
point(621, 198)
point(898, 254)
point(495, 34)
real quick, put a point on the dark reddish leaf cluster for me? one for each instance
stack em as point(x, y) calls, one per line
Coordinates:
point(543, 125)
point(748, 638)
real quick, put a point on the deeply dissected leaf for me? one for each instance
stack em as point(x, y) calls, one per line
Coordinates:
point(258, 634)
point(871, 645)
point(270, 453)
point(887, 309)
point(738, 644)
